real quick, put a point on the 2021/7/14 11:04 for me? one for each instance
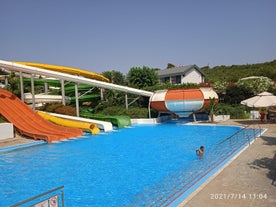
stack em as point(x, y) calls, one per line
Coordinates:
point(221, 196)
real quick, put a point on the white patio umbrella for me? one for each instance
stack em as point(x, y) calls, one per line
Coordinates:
point(263, 99)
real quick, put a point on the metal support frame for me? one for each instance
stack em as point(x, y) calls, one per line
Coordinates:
point(102, 96)
point(21, 85)
point(33, 91)
point(68, 77)
point(77, 100)
point(62, 92)
point(149, 110)
point(87, 92)
point(126, 100)
point(45, 88)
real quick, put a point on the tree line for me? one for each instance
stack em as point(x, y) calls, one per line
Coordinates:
point(227, 81)
point(235, 72)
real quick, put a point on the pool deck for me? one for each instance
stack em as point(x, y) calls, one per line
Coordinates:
point(17, 140)
point(249, 180)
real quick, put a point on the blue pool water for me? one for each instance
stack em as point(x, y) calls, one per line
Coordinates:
point(138, 166)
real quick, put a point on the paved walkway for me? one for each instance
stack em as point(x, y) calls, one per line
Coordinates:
point(249, 180)
point(17, 140)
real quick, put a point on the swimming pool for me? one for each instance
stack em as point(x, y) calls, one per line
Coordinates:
point(151, 165)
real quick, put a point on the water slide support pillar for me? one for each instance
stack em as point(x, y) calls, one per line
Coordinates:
point(149, 110)
point(194, 116)
point(45, 88)
point(126, 101)
point(21, 86)
point(102, 97)
point(33, 91)
point(77, 100)
point(62, 91)
point(6, 80)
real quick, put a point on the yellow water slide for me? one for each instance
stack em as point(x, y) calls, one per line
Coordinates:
point(85, 126)
point(69, 70)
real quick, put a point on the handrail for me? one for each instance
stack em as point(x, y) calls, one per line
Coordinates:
point(61, 188)
point(187, 181)
point(243, 130)
point(237, 132)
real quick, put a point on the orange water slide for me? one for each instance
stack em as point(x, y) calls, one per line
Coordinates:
point(29, 123)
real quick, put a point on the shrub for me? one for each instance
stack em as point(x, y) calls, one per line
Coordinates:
point(2, 119)
point(235, 111)
point(133, 112)
point(60, 109)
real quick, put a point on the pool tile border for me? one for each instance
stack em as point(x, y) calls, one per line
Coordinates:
point(22, 146)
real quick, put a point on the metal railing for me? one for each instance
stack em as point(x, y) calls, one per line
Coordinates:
point(180, 183)
point(244, 133)
point(54, 197)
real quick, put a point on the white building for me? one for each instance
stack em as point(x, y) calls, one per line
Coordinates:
point(181, 74)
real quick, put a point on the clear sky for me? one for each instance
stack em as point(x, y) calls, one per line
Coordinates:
point(105, 35)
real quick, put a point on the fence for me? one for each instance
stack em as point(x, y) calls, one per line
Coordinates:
point(51, 198)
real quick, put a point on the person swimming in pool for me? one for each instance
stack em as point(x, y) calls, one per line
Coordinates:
point(200, 152)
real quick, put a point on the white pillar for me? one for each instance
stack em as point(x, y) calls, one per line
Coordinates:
point(62, 92)
point(45, 88)
point(149, 109)
point(77, 100)
point(102, 97)
point(21, 86)
point(126, 101)
point(33, 91)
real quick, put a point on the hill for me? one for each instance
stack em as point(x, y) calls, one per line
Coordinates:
point(235, 72)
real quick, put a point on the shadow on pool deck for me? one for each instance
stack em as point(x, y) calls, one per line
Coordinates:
point(267, 163)
point(249, 180)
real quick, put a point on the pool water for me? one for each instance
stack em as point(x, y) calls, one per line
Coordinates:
point(138, 166)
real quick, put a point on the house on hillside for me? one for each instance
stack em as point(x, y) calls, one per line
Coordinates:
point(181, 74)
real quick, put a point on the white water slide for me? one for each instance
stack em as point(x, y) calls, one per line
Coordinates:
point(74, 78)
point(11, 66)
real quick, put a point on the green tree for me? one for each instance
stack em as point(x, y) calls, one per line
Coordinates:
point(142, 77)
point(235, 94)
point(235, 72)
point(115, 77)
point(256, 85)
point(170, 65)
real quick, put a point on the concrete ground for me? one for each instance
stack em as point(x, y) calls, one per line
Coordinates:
point(249, 180)
point(17, 140)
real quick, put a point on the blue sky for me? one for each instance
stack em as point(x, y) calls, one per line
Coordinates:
point(104, 35)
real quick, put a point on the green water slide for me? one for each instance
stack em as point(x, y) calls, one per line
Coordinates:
point(50, 82)
point(85, 98)
point(119, 121)
point(69, 88)
point(81, 87)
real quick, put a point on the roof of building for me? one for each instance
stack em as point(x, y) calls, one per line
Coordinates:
point(179, 70)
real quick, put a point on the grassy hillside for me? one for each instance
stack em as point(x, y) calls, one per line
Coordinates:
point(235, 72)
